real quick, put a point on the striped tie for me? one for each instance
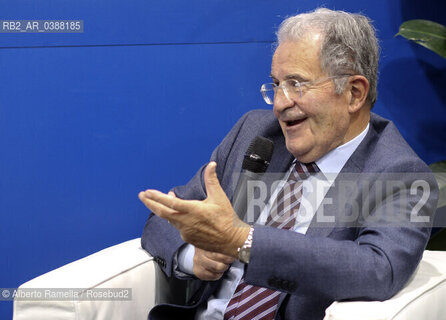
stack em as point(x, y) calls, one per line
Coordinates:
point(252, 302)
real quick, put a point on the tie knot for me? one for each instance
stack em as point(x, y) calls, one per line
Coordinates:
point(302, 171)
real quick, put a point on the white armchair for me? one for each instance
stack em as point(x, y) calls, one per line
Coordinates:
point(127, 265)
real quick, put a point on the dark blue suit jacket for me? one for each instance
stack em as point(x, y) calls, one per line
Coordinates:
point(365, 256)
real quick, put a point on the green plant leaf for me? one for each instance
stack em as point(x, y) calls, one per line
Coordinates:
point(427, 33)
point(439, 170)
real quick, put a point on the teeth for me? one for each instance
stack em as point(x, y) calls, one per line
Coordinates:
point(295, 119)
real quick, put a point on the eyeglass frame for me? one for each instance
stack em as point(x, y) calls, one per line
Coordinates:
point(283, 86)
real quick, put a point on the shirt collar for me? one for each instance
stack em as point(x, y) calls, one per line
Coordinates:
point(333, 162)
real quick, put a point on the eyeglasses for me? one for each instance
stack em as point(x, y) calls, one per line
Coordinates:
point(291, 87)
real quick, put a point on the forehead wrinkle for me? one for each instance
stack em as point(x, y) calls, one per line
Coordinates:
point(297, 60)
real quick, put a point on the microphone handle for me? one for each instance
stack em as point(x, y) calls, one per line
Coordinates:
point(241, 199)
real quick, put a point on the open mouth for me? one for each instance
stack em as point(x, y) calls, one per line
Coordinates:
point(294, 122)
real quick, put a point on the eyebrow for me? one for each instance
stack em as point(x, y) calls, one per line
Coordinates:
point(291, 76)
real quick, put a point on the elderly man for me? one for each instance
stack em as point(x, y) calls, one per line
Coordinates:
point(361, 242)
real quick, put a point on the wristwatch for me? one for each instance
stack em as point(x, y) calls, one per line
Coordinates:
point(244, 251)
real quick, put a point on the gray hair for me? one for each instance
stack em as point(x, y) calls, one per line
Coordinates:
point(349, 44)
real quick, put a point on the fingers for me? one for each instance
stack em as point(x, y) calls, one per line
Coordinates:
point(157, 208)
point(219, 257)
point(206, 275)
point(215, 266)
point(172, 194)
point(158, 200)
point(210, 266)
point(213, 187)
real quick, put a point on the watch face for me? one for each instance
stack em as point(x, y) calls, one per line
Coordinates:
point(244, 255)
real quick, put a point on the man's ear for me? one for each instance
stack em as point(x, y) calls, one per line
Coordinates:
point(359, 89)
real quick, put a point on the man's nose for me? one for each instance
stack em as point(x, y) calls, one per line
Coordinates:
point(282, 100)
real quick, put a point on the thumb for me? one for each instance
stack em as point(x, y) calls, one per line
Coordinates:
point(213, 188)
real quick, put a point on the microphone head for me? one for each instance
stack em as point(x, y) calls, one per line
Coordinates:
point(258, 155)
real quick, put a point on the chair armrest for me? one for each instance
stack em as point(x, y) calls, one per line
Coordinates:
point(421, 298)
point(125, 265)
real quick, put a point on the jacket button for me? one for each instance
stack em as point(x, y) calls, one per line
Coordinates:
point(160, 261)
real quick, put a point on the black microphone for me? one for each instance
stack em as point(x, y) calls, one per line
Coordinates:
point(255, 163)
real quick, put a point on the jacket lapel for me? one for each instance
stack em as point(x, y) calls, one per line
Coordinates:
point(353, 169)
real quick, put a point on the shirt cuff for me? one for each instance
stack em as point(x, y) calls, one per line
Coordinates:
point(184, 261)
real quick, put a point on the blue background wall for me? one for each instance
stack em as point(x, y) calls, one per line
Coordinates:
point(141, 98)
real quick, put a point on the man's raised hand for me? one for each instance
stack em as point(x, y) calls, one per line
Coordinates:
point(211, 224)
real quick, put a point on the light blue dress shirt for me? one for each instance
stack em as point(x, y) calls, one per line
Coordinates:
point(314, 190)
